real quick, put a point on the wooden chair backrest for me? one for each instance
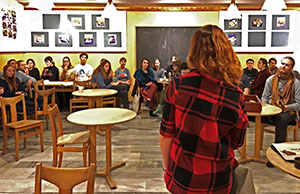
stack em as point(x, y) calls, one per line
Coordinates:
point(95, 85)
point(87, 84)
point(12, 103)
point(45, 94)
point(65, 178)
point(39, 83)
point(56, 124)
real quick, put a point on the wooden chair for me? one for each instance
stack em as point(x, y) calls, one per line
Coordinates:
point(14, 127)
point(64, 178)
point(60, 140)
point(108, 100)
point(39, 85)
point(79, 102)
point(293, 127)
point(45, 96)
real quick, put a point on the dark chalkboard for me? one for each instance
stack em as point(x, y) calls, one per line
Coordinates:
point(163, 43)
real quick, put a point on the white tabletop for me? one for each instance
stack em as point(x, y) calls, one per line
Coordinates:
point(58, 83)
point(101, 116)
point(267, 110)
point(95, 92)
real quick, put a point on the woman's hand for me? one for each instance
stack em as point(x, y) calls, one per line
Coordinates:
point(1, 90)
point(149, 83)
point(128, 82)
point(19, 92)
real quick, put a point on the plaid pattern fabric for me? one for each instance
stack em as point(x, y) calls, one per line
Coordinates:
point(207, 121)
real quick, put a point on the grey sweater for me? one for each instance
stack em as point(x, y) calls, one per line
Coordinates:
point(267, 94)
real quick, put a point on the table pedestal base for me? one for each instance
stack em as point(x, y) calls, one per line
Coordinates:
point(107, 175)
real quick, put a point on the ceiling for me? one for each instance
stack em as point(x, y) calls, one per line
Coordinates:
point(165, 5)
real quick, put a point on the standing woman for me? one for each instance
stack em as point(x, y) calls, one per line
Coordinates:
point(146, 81)
point(122, 73)
point(66, 70)
point(102, 77)
point(204, 119)
point(33, 71)
point(50, 72)
point(10, 86)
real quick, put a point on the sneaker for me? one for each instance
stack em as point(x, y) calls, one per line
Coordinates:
point(152, 114)
point(159, 109)
point(269, 165)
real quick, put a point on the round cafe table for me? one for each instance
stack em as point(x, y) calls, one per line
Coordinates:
point(95, 96)
point(280, 163)
point(107, 117)
point(267, 110)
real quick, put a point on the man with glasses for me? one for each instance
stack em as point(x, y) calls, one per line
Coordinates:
point(283, 91)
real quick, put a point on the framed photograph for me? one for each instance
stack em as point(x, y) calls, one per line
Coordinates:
point(63, 39)
point(280, 22)
point(51, 21)
point(235, 38)
point(256, 39)
point(87, 39)
point(233, 24)
point(257, 22)
point(112, 39)
point(280, 39)
point(99, 22)
point(77, 21)
point(39, 39)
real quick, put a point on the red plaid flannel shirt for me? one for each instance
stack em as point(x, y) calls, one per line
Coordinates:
point(206, 121)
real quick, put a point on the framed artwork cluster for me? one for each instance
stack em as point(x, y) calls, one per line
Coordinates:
point(72, 30)
point(9, 23)
point(260, 31)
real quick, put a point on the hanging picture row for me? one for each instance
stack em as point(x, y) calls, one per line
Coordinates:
point(66, 31)
point(260, 31)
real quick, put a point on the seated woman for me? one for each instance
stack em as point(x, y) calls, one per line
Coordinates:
point(11, 87)
point(146, 81)
point(66, 73)
point(122, 73)
point(33, 71)
point(102, 76)
point(51, 71)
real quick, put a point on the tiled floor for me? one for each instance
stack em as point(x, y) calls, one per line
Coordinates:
point(136, 142)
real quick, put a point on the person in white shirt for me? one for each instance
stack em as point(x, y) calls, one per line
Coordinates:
point(83, 70)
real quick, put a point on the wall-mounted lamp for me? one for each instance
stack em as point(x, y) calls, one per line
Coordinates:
point(109, 9)
point(232, 11)
point(274, 5)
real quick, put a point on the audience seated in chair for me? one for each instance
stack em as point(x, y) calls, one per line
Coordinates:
point(283, 90)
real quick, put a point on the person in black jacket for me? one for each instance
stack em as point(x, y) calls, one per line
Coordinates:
point(33, 71)
point(50, 72)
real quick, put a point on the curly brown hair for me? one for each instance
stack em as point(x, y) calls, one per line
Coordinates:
point(211, 52)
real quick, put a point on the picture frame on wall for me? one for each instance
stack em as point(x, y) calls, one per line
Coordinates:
point(235, 38)
point(77, 21)
point(257, 22)
point(280, 22)
point(87, 39)
point(63, 39)
point(51, 21)
point(112, 39)
point(39, 39)
point(99, 22)
point(233, 24)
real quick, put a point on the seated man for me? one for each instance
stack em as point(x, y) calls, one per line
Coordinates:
point(283, 91)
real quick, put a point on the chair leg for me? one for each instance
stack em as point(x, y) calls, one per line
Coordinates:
point(84, 154)
point(4, 140)
point(17, 144)
point(41, 131)
point(25, 139)
point(54, 162)
point(46, 121)
point(60, 159)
